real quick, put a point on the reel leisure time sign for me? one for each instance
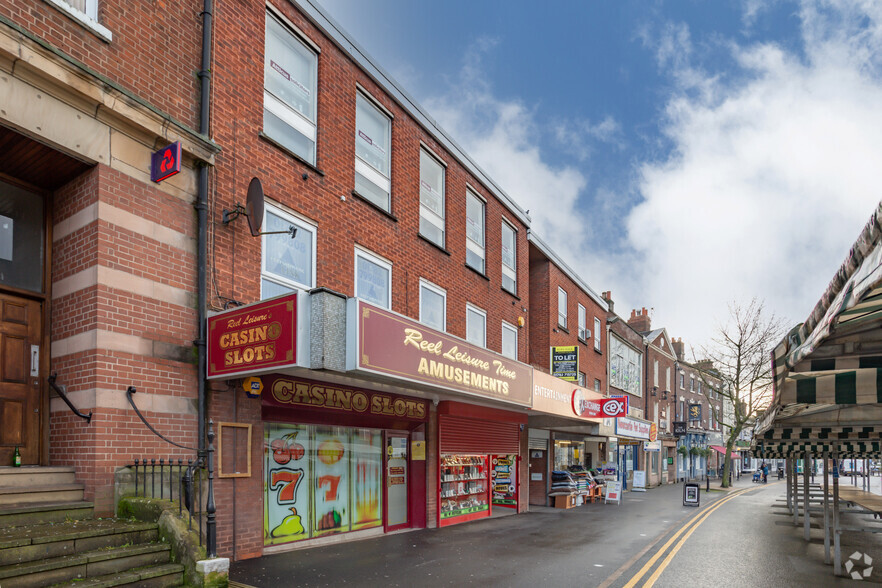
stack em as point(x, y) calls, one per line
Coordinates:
point(388, 344)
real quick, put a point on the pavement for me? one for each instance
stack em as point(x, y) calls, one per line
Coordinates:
point(736, 538)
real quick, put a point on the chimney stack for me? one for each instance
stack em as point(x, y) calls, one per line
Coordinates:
point(678, 348)
point(608, 297)
point(640, 320)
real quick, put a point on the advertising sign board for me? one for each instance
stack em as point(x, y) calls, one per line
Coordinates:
point(690, 495)
point(613, 492)
point(565, 363)
point(639, 481)
point(679, 428)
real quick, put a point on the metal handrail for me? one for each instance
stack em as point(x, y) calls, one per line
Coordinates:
point(59, 389)
point(131, 390)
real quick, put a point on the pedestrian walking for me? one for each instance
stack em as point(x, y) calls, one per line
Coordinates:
point(765, 473)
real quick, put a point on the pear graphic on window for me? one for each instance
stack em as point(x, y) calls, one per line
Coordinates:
point(290, 525)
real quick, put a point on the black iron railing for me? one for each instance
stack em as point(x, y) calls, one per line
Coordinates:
point(61, 391)
point(193, 480)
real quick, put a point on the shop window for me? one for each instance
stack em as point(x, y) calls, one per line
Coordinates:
point(433, 306)
point(474, 231)
point(373, 279)
point(476, 326)
point(464, 486)
point(286, 264)
point(431, 198)
point(596, 334)
point(509, 341)
point(321, 481)
point(509, 258)
point(290, 88)
point(373, 141)
point(583, 334)
point(561, 307)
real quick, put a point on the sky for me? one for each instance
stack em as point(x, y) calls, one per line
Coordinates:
point(684, 155)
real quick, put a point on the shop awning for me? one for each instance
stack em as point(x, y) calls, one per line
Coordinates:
point(721, 449)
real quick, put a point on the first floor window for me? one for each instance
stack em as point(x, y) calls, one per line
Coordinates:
point(562, 307)
point(583, 335)
point(431, 198)
point(373, 144)
point(373, 279)
point(289, 90)
point(433, 306)
point(596, 385)
point(582, 377)
point(596, 334)
point(509, 258)
point(286, 264)
point(474, 232)
point(476, 326)
point(87, 7)
point(509, 340)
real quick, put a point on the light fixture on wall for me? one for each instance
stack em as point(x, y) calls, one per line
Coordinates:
point(654, 388)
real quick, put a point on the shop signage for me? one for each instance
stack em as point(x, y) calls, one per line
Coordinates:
point(389, 344)
point(606, 408)
point(166, 162)
point(670, 461)
point(639, 481)
point(257, 338)
point(613, 492)
point(653, 432)
point(286, 391)
point(554, 396)
point(652, 445)
point(631, 427)
point(253, 386)
point(565, 363)
point(679, 428)
point(694, 412)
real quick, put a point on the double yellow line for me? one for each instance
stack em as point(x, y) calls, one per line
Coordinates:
point(688, 528)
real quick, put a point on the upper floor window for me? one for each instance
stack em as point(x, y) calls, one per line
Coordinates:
point(682, 382)
point(596, 334)
point(583, 331)
point(667, 378)
point(286, 263)
point(509, 340)
point(476, 326)
point(692, 383)
point(289, 90)
point(373, 279)
point(561, 307)
point(699, 386)
point(87, 7)
point(474, 232)
point(596, 385)
point(433, 306)
point(581, 380)
point(431, 198)
point(655, 374)
point(373, 140)
point(509, 258)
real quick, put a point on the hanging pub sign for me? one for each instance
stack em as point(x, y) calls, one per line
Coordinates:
point(679, 428)
point(254, 339)
point(388, 344)
point(565, 363)
point(694, 412)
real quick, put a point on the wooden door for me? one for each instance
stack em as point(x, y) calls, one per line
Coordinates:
point(20, 331)
point(538, 477)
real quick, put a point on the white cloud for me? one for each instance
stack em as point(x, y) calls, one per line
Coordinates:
point(770, 179)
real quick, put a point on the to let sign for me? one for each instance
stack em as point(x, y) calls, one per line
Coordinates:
point(253, 339)
point(392, 345)
point(565, 363)
point(166, 162)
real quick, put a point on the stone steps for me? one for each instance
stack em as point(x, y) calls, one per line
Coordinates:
point(20, 496)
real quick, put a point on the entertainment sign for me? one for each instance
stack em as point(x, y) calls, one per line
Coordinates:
point(389, 344)
point(253, 339)
point(554, 396)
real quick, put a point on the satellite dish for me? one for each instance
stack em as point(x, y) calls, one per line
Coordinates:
point(254, 206)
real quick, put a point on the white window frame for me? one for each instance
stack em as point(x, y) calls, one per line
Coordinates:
point(478, 249)
point(668, 378)
point(583, 318)
point(426, 213)
point(682, 381)
point(298, 121)
point(562, 316)
point(510, 272)
point(514, 331)
point(299, 223)
point(596, 334)
point(597, 384)
point(87, 17)
point(427, 285)
point(376, 259)
point(382, 179)
point(655, 374)
point(472, 308)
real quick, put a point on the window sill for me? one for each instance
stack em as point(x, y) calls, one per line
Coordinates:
point(85, 20)
point(563, 329)
point(287, 151)
point(598, 351)
point(385, 213)
point(478, 272)
point(433, 244)
point(510, 293)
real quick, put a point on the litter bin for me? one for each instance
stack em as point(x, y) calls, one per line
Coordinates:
point(691, 494)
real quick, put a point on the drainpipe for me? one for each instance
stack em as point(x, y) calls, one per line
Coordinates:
point(201, 207)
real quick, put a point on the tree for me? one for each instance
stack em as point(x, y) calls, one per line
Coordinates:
point(739, 358)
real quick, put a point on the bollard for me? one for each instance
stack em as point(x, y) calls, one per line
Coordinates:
point(707, 486)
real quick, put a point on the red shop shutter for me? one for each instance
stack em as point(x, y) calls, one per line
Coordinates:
point(464, 435)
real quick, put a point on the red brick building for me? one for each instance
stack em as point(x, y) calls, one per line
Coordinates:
point(99, 263)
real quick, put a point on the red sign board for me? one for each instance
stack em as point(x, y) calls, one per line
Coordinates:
point(396, 346)
point(254, 338)
point(166, 162)
point(605, 408)
point(653, 432)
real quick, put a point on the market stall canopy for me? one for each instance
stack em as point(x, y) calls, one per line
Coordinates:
point(828, 370)
point(722, 450)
